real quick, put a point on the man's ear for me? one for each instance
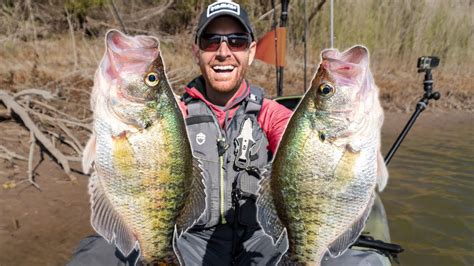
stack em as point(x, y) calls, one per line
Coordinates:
point(252, 51)
point(196, 53)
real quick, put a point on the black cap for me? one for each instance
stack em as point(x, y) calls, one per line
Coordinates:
point(223, 8)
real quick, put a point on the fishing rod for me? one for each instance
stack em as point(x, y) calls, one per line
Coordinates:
point(425, 64)
point(305, 52)
point(283, 22)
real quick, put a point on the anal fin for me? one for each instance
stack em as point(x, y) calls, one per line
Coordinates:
point(107, 222)
point(195, 202)
point(266, 211)
point(382, 172)
point(345, 240)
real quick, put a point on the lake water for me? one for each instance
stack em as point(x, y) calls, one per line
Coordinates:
point(430, 196)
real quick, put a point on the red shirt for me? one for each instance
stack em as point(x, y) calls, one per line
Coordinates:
point(272, 118)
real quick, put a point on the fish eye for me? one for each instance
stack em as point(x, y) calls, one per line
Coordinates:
point(152, 79)
point(326, 89)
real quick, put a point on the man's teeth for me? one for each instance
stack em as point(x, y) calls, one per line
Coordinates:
point(223, 68)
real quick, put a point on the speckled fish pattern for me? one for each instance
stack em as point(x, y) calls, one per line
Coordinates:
point(146, 187)
point(320, 187)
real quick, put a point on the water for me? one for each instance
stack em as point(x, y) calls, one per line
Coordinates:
point(430, 196)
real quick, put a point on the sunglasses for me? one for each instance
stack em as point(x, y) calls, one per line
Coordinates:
point(236, 42)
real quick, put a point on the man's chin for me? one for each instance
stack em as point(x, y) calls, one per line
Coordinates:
point(224, 86)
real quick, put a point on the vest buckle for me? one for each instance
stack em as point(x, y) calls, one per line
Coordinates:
point(244, 143)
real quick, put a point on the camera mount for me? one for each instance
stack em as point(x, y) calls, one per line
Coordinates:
point(425, 64)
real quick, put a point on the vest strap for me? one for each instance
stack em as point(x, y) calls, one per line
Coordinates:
point(239, 194)
point(199, 119)
point(254, 100)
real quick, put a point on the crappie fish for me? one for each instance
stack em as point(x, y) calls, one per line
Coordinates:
point(146, 180)
point(321, 186)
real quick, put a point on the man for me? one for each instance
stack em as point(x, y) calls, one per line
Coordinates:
point(234, 132)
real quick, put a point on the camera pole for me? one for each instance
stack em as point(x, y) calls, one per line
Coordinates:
point(420, 107)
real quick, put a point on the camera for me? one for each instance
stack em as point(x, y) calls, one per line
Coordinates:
point(427, 62)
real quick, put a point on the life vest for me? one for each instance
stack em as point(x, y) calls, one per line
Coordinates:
point(231, 158)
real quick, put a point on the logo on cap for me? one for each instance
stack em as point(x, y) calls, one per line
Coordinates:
point(223, 6)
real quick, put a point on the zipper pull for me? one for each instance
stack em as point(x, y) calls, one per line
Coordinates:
point(222, 146)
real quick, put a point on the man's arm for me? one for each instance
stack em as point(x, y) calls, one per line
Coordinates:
point(273, 119)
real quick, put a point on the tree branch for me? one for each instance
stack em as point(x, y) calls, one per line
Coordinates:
point(10, 102)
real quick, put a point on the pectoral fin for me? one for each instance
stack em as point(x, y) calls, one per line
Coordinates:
point(88, 154)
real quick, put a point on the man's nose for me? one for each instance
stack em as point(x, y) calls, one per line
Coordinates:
point(223, 50)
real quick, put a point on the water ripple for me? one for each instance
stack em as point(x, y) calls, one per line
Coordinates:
point(430, 196)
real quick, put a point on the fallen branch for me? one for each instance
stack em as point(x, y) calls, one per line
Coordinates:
point(77, 143)
point(10, 102)
point(51, 108)
point(5, 114)
point(55, 119)
point(65, 141)
point(9, 155)
point(45, 94)
point(31, 174)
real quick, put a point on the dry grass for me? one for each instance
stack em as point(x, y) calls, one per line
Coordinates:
point(34, 54)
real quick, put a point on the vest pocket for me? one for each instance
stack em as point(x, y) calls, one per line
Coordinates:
point(204, 144)
point(247, 207)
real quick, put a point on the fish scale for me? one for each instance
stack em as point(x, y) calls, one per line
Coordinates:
point(320, 186)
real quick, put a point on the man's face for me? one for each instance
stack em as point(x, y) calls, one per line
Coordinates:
point(224, 69)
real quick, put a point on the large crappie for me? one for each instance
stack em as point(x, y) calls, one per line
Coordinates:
point(144, 168)
point(322, 180)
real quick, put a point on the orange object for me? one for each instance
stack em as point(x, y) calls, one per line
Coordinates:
point(266, 47)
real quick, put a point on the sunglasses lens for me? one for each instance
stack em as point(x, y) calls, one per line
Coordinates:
point(209, 43)
point(238, 42)
point(212, 42)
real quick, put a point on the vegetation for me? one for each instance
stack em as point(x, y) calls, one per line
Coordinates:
point(52, 38)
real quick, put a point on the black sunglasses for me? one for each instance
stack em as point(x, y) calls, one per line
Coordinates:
point(237, 42)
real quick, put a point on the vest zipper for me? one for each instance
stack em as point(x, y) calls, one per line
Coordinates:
point(221, 145)
point(222, 188)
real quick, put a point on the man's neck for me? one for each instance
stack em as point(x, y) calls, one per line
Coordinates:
point(219, 98)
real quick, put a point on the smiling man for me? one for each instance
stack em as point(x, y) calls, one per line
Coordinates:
point(233, 131)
